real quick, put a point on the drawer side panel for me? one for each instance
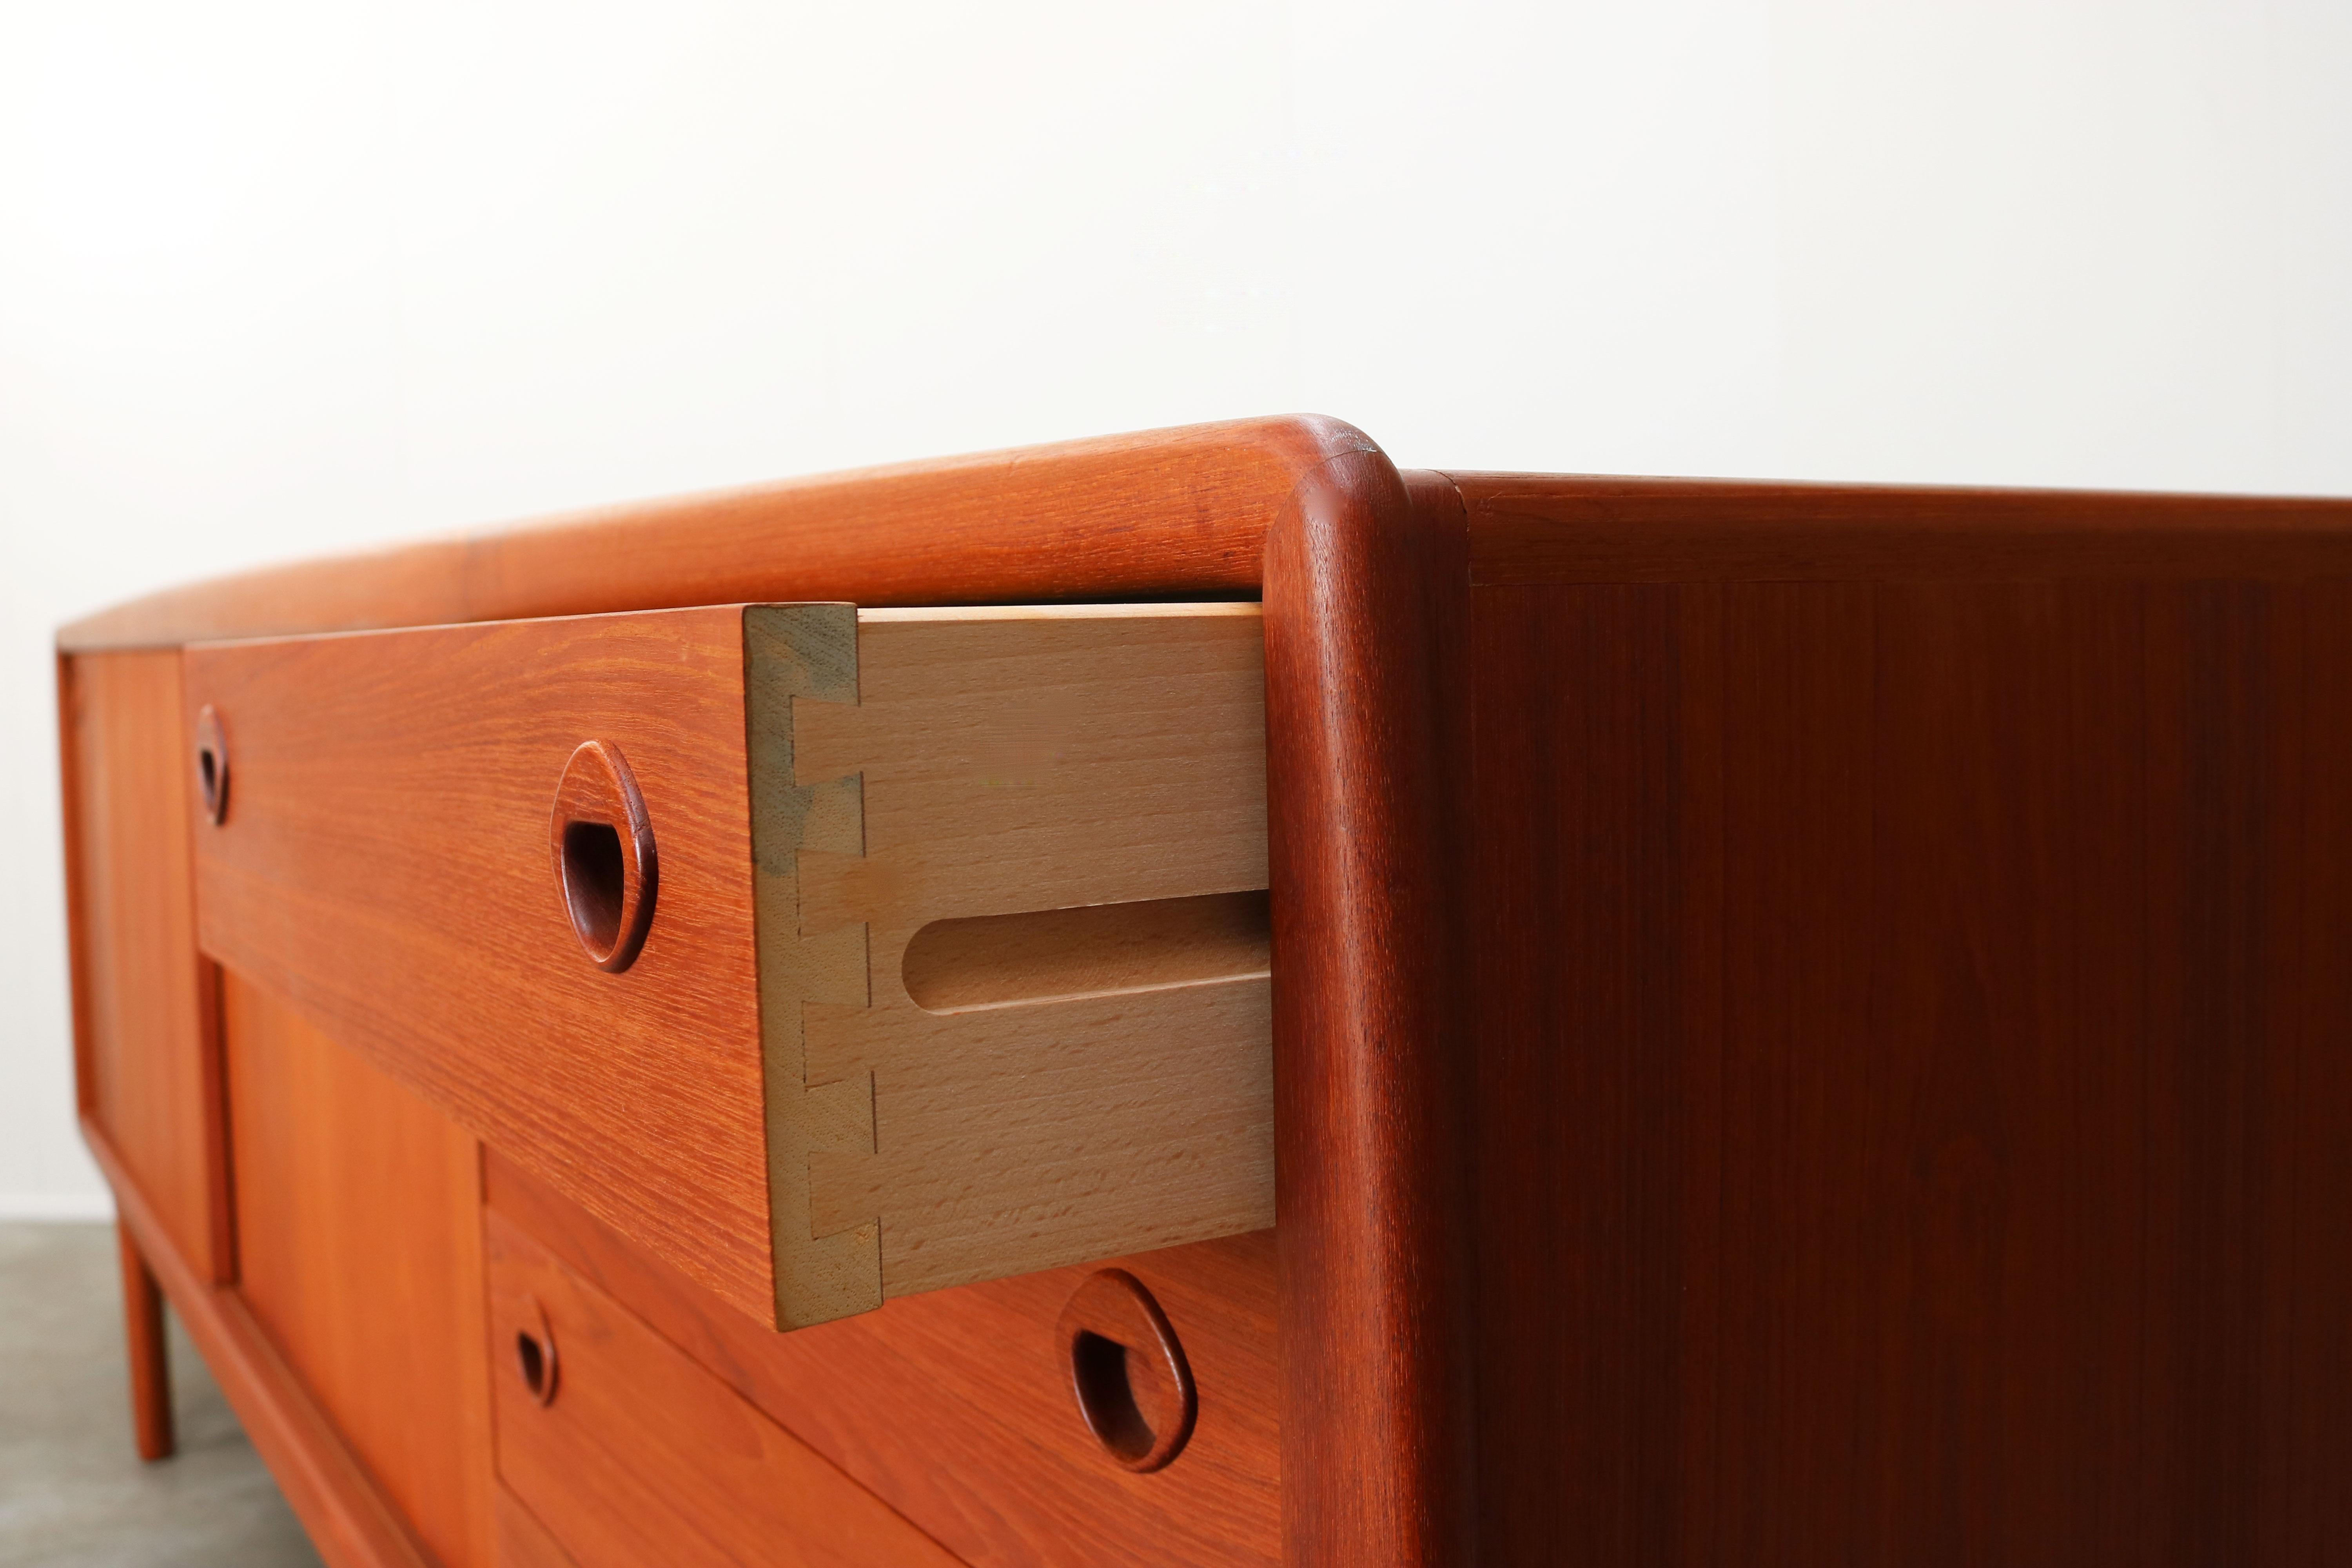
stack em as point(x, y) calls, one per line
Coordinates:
point(915, 768)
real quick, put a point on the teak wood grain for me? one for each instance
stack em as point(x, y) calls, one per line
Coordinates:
point(1807, 1020)
point(642, 1456)
point(1183, 514)
point(1173, 514)
point(360, 1209)
point(922, 765)
point(147, 1054)
point(956, 1407)
point(1364, 652)
point(1909, 1103)
point(348, 1517)
point(523, 1542)
point(384, 864)
point(1548, 527)
point(384, 867)
point(150, 1351)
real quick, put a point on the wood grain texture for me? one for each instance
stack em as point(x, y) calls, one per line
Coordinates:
point(150, 1353)
point(1909, 1019)
point(1364, 609)
point(913, 767)
point(386, 869)
point(80, 962)
point(523, 1542)
point(642, 1456)
point(1550, 528)
point(146, 1051)
point(360, 1209)
point(374, 871)
point(1166, 513)
point(974, 961)
point(602, 850)
point(347, 1517)
point(956, 1409)
point(1800, 1275)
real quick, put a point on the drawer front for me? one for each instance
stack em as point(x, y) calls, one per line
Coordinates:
point(522, 1542)
point(956, 961)
point(628, 1453)
point(385, 864)
point(958, 1408)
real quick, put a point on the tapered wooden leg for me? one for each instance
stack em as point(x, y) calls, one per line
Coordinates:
point(151, 1368)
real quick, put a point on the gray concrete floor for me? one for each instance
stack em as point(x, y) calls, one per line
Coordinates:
point(72, 1488)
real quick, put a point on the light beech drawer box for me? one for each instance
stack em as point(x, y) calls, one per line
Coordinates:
point(956, 965)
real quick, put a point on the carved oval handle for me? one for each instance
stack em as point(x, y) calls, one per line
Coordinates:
point(605, 868)
point(212, 765)
point(1128, 1369)
point(535, 1354)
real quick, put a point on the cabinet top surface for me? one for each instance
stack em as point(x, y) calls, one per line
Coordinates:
point(1183, 514)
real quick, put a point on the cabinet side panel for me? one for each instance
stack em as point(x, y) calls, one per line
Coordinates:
point(148, 1052)
point(359, 1207)
point(1910, 1045)
point(1596, 1051)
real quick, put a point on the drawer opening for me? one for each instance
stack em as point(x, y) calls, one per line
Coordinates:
point(1096, 950)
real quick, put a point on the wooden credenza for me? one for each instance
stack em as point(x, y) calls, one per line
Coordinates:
point(1198, 999)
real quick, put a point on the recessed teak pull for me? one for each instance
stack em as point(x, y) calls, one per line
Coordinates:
point(212, 765)
point(605, 865)
point(1128, 1369)
point(534, 1345)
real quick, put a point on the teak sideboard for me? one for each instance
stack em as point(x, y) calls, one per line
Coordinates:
point(1198, 999)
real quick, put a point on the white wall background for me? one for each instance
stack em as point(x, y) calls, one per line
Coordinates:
point(279, 279)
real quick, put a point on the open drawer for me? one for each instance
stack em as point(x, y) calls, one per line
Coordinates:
point(830, 955)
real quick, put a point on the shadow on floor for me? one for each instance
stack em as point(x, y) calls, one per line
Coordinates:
point(72, 1490)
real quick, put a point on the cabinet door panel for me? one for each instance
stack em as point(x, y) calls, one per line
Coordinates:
point(147, 1055)
point(360, 1223)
